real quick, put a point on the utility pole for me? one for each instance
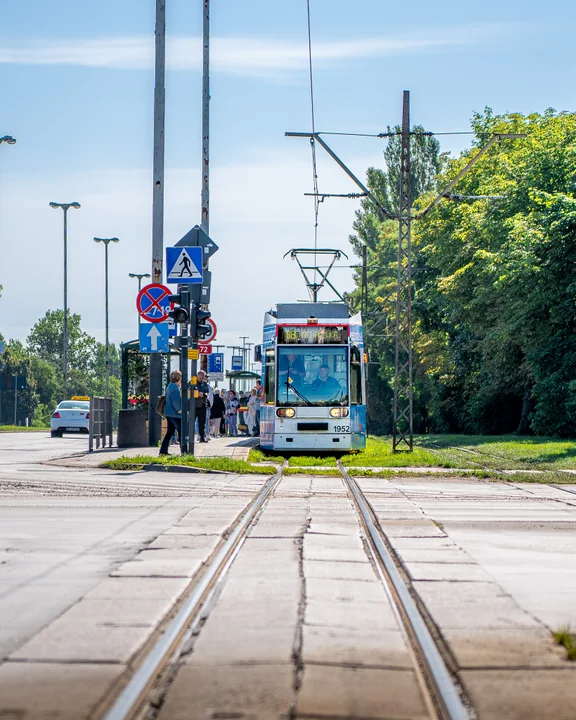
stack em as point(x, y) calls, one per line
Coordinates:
point(106, 242)
point(205, 205)
point(205, 224)
point(244, 358)
point(155, 385)
point(402, 432)
point(249, 347)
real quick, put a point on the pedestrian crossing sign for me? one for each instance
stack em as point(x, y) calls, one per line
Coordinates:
point(184, 265)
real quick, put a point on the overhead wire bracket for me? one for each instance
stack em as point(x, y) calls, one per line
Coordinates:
point(313, 286)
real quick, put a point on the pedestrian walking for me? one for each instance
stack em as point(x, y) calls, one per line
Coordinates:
point(232, 406)
point(173, 409)
point(217, 412)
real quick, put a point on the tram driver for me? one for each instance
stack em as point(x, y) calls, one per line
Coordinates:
point(292, 366)
point(325, 384)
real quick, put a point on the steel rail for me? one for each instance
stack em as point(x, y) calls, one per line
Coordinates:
point(568, 490)
point(131, 698)
point(446, 691)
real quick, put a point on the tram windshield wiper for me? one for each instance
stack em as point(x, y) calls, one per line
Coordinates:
point(297, 392)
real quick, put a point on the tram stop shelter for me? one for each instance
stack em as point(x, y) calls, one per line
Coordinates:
point(133, 346)
point(246, 377)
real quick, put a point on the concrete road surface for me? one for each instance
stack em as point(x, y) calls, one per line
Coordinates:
point(91, 561)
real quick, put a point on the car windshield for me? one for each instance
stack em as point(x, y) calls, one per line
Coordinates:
point(74, 405)
point(312, 376)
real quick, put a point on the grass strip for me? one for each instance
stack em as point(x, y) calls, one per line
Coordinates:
point(207, 463)
point(256, 455)
point(568, 640)
point(18, 428)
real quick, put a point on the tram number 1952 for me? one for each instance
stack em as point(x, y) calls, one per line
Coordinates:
point(342, 428)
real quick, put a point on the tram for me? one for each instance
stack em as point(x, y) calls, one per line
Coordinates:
point(313, 377)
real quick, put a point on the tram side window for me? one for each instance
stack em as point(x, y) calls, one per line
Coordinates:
point(270, 377)
point(355, 376)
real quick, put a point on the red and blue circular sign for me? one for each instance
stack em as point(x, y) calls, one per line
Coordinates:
point(153, 303)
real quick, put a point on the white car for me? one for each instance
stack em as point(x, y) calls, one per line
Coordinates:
point(71, 416)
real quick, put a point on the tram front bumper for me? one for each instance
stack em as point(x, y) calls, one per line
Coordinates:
point(312, 441)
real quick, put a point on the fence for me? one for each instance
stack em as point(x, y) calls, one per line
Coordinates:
point(100, 426)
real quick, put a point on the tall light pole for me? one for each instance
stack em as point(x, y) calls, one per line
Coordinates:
point(65, 207)
point(8, 139)
point(139, 276)
point(107, 242)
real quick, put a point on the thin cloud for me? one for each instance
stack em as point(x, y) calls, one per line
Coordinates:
point(243, 56)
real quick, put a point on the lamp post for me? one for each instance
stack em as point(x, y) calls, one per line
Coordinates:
point(65, 207)
point(139, 276)
point(8, 139)
point(106, 242)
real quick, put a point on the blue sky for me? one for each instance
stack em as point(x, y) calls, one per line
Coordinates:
point(76, 90)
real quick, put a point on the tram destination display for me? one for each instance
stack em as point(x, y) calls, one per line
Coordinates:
point(312, 335)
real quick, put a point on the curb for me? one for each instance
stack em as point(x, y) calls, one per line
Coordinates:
point(153, 467)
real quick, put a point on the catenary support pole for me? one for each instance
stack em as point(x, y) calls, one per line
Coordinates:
point(402, 432)
point(155, 386)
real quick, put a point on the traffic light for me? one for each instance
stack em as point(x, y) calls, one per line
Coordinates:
point(181, 312)
point(202, 327)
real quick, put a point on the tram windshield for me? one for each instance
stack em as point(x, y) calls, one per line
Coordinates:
point(312, 376)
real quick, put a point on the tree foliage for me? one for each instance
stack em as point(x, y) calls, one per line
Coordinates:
point(495, 284)
point(41, 362)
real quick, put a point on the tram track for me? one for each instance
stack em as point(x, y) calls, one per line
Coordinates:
point(145, 686)
point(132, 700)
point(439, 686)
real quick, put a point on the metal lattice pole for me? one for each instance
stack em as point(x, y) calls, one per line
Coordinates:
point(403, 422)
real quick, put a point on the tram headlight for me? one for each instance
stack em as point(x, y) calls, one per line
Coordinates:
point(285, 412)
point(339, 412)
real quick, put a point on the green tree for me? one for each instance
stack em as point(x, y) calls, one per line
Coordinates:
point(500, 281)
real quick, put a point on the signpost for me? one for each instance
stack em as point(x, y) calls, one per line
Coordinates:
point(198, 238)
point(153, 304)
point(184, 265)
point(211, 336)
point(216, 363)
point(154, 338)
point(204, 349)
point(237, 362)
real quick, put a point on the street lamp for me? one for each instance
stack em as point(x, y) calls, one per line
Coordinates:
point(8, 139)
point(65, 207)
point(106, 242)
point(137, 275)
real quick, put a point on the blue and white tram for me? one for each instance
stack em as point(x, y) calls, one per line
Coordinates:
point(313, 378)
